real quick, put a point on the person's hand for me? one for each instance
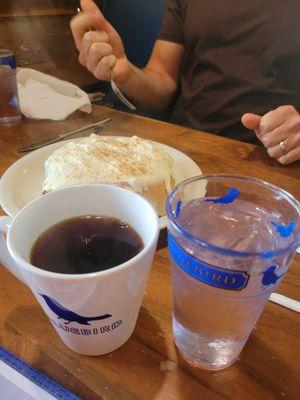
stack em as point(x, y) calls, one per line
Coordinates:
point(279, 131)
point(100, 47)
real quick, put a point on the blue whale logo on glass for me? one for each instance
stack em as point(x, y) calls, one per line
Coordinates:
point(70, 316)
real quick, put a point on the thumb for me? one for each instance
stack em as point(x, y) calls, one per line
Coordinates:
point(114, 38)
point(251, 121)
point(89, 6)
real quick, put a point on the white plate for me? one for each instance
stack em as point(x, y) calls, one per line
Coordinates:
point(22, 181)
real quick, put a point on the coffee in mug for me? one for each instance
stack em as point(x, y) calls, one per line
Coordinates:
point(85, 244)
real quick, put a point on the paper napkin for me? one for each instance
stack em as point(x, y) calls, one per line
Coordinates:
point(43, 96)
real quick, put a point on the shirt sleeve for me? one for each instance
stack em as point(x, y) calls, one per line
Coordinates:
point(172, 26)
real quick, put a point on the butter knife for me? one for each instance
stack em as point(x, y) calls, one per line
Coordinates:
point(54, 139)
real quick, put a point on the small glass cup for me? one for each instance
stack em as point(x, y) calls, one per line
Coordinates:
point(9, 101)
point(231, 241)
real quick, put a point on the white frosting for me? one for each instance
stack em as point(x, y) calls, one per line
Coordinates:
point(133, 161)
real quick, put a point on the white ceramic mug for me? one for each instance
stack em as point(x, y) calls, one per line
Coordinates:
point(93, 313)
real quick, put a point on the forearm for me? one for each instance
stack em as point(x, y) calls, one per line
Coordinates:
point(149, 89)
point(102, 52)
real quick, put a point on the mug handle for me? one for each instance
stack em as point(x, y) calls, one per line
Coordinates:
point(5, 257)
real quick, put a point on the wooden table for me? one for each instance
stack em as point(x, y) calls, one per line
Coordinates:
point(148, 366)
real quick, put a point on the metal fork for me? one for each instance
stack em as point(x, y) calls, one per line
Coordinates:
point(120, 95)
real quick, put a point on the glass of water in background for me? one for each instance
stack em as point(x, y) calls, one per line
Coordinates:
point(231, 241)
point(9, 102)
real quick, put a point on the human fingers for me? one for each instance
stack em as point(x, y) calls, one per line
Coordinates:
point(280, 134)
point(290, 157)
point(97, 52)
point(84, 22)
point(114, 37)
point(88, 40)
point(290, 127)
point(272, 138)
point(104, 67)
point(281, 151)
point(274, 119)
point(89, 6)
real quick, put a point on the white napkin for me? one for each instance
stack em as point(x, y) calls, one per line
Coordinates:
point(43, 96)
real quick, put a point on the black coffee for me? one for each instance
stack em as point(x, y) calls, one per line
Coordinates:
point(85, 244)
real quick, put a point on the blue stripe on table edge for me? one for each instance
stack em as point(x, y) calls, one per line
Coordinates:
point(35, 376)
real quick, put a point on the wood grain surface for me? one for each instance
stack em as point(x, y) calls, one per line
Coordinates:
point(38, 32)
point(10, 8)
point(148, 366)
